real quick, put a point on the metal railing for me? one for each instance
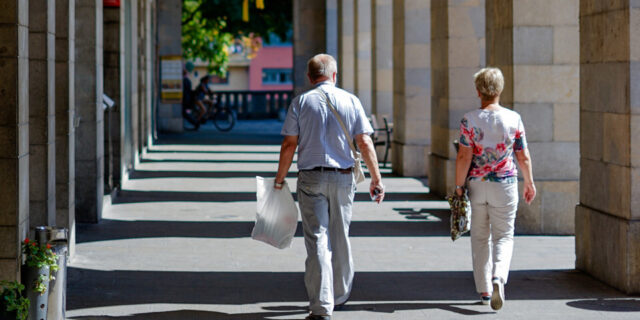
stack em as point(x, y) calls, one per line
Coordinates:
point(255, 104)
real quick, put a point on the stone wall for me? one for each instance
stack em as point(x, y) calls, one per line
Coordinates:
point(14, 133)
point(169, 115)
point(65, 115)
point(88, 97)
point(113, 52)
point(457, 52)
point(411, 87)
point(42, 161)
point(535, 43)
point(608, 216)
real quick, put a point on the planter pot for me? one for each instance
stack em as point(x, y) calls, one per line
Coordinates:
point(38, 302)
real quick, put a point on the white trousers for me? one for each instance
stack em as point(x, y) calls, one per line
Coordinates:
point(493, 215)
point(326, 200)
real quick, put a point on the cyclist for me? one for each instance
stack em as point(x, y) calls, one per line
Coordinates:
point(202, 94)
point(188, 97)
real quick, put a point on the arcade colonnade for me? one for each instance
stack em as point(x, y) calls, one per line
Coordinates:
point(61, 150)
point(571, 70)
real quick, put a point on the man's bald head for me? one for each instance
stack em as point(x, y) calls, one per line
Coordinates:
point(321, 67)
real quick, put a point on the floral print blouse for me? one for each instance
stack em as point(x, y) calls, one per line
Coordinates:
point(493, 135)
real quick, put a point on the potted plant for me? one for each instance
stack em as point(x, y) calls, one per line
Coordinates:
point(40, 260)
point(13, 305)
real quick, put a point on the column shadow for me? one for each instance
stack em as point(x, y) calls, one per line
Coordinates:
point(96, 288)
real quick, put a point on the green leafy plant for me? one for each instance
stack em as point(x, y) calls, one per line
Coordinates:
point(13, 299)
point(210, 27)
point(39, 257)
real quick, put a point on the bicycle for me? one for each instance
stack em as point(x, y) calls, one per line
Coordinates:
point(222, 116)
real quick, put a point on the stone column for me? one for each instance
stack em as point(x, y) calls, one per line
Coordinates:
point(363, 75)
point(608, 216)
point(14, 134)
point(112, 88)
point(457, 52)
point(382, 73)
point(148, 75)
point(332, 28)
point(88, 97)
point(65, 115)
point(536, 43)
point(309, 38)
point(169, 43)
point(346, 46)
point(411, 87)
point(42, 157)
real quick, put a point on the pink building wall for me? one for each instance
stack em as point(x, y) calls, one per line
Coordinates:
point(270, 57)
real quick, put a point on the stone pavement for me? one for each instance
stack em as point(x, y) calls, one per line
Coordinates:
point(175, 244)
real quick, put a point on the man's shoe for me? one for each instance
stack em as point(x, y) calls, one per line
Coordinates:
point(317, 317)
point(497, 298)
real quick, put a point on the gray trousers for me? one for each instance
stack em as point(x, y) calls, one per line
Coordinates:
point(325, 200)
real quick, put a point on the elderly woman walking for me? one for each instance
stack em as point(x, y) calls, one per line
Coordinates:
point(489, 136)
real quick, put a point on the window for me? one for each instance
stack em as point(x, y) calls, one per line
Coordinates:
point(214, 79)
point(277, 76)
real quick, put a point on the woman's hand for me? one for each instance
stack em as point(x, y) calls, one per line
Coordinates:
point(529, 192)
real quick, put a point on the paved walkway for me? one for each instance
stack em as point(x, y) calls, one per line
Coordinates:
point(175, 244)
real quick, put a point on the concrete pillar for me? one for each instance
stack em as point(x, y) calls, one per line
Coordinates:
point(536, 44)
point(147, 137)
point(382, 73)
point(608, 216)
point(411, 87)
point(363, 34)
point(112, 87)
point(65, 115)
point(346, 45)
point(332, 29)
point(309, 38)
point(169, 43)
point(457, 52)
point(14, 134)
point(42, 144)
point(88, 97)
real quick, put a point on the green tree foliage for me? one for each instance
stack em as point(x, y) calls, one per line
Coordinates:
point(209, 27)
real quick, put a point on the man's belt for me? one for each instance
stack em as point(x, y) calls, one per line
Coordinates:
point(322, 169)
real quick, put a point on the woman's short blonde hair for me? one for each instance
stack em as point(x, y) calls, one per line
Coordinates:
point(489, 82)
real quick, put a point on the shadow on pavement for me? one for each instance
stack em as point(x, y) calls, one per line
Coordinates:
point(135, 196)
point(148, 174)
point(616, 305)
point(120, 229)
point(393, 307)
point(194, 315)
point(95, 288)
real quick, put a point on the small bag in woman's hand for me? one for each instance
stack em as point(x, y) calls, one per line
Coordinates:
point(460, 214)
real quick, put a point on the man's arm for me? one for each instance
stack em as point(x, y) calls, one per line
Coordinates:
point(371, 160)
point(287, 150)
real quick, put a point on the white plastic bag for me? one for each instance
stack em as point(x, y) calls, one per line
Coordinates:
point(277, 214)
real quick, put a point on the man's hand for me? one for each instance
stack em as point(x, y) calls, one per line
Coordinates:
point(376, 185)
point(278, 185)
point(287, 150)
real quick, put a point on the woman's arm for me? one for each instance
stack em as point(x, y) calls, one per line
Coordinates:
point(463, 161)
point(524, 160)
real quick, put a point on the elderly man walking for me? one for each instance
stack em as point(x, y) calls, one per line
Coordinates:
point(326, 184)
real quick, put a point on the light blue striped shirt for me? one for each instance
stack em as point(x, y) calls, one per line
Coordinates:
point(321, 140)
